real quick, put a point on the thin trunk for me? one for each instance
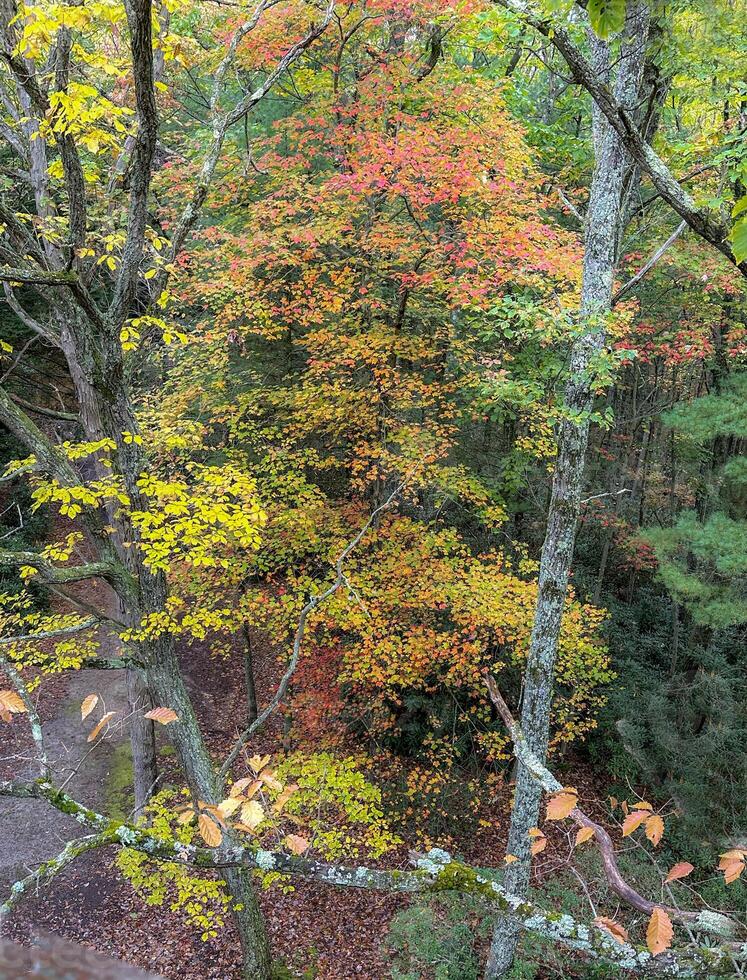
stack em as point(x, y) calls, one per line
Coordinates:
point(251, 690)
point(142, 740)
point(602, 236)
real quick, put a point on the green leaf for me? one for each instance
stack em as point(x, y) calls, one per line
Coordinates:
point(738, 238)
point(607, 16)
point(740, 207)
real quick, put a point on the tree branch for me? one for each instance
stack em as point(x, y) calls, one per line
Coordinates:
point(703, 921)
point(707, 222)
point(311, 605)
point(634, 280)
point(435, 872)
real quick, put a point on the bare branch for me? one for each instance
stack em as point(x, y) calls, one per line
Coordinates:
point(703, 921)
point(311, 605)
point(634, 280)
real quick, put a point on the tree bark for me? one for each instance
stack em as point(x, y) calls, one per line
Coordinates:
point(602, 236)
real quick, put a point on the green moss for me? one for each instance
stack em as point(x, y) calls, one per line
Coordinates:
point(118, 793)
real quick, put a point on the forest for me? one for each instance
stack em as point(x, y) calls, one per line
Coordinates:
point(373, 489)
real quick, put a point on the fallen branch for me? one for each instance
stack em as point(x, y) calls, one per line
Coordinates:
point(434, 872)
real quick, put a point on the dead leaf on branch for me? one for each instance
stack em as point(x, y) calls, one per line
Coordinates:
point(680, 870)
point(560, 805)
point(87, 706)
point(584, 834)
point(654, 829)
point(612, 928)
point(209, 830)
point(104, 721)
point(11, 703)
point(633, 821)
point(659, 933)
point(162, 715)
point(296, 844)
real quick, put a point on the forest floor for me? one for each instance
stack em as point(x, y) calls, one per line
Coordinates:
point(313, 928)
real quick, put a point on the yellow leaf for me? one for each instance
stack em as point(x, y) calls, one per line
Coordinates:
point(654, 828)
point(584, 834)
point(209, 830)
point(252, 814)
point(643, 805)
point(296, 843)
point(229, 806)
point(104, 721)
point(270, 780)
point(614, 929)
point(89, 703)
point(510, 858)
point(659, 933)
point(560, 805)
point(259, 762)
point(162, 715)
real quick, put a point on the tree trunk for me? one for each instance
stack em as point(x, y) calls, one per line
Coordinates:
point(142, 740)
point(602, 235)
point(251, 690)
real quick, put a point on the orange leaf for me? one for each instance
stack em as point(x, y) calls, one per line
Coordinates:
point(12, 703)
point(510, 858)
point(162, 715)
point(560, 805)
point(643, 805)
point(209, 830)
point(659, 933)
point(296, 843)
point(584, 834)
point(89, 703)
point(732, 871)
point(633, 821)
point(614, 929)
point(654, 829)
point(104, 721)
point(681, 870)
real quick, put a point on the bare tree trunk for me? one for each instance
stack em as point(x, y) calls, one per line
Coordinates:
point(602, 236)
point(251, 690)
point(142, 740)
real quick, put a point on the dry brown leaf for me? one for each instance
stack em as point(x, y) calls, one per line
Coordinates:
point(659, 933)
point(104, 721)
point(87, 706)
point(654, 828)
point(539, 845)
point(162, 715)
point(296, 843)
point(633, 821)
point(613, 802)
point(11, 703)
point(611, 927)
point(240, 785)
point(560, 805)
point(209, 830)
point(584, 834)
point(680, 870)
